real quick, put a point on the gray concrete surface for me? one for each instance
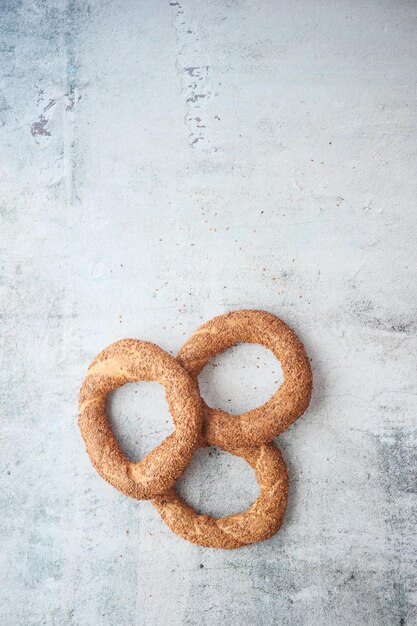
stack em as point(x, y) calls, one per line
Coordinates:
point(164, 162)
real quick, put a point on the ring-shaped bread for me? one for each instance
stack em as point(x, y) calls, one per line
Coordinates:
point(260, 521)
point(132, 360)
point(265, 422)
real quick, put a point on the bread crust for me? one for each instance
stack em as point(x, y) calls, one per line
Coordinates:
point(259, 522)
point(248, 435)
point(265, 422)
point(126, 361)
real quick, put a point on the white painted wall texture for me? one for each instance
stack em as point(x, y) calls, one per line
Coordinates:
point(162, 163)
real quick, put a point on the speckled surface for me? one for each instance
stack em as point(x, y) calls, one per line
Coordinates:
point(165, 162)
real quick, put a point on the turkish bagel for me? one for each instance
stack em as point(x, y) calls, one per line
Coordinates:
point(291, 399)
point(130, 360)
point(248, 435)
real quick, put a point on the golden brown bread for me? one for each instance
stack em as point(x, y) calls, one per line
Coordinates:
point(132, 360)
point(283, 408)
point(262, 519)
point(246, 435)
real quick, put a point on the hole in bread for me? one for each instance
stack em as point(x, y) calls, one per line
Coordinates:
point(241, 378)
point(217, 483)
point(140, 418)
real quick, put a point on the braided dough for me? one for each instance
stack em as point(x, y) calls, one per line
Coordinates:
point(286, 405)
point(263, 518)
point(132, 360)
point(196, 424)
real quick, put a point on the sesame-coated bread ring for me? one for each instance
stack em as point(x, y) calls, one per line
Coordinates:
point(126, 361)
point(287, 404)
point(261, 520)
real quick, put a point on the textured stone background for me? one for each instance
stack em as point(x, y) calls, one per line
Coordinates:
point(164, 162)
